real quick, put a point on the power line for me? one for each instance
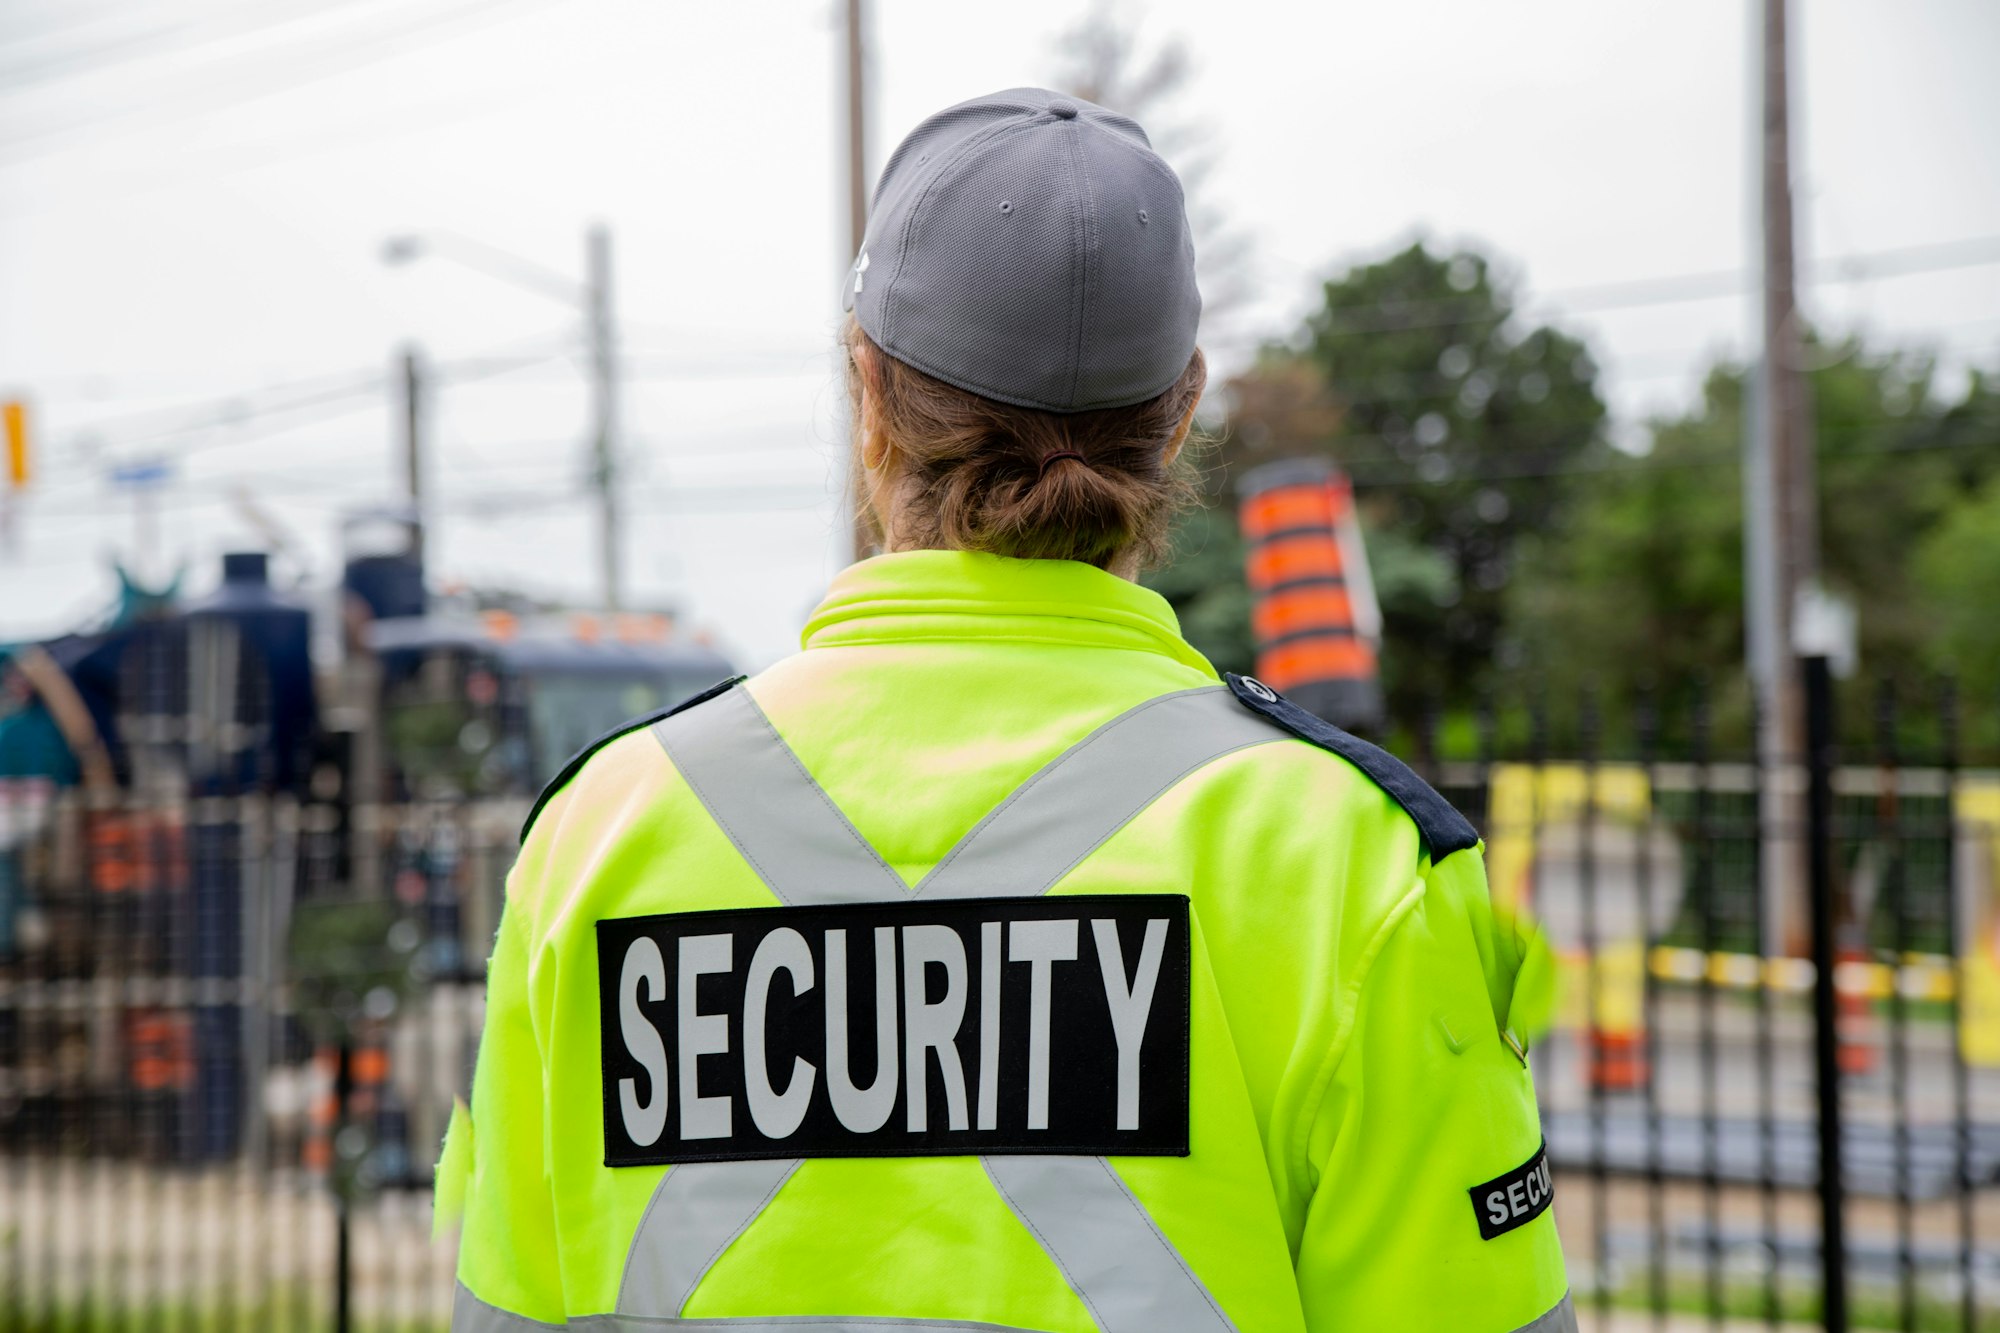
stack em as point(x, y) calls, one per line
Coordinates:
point(319, 390)
point(489, 503)
point(1436, 388)
point(73, 14)
point(267, 76)
point(1443, 311)
point(233, 408)
point(1622, 466)
point(25, 74)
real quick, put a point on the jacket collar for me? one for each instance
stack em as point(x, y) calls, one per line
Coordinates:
point(913, 596)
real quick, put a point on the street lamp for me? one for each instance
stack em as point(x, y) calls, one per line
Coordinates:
point(593, 298)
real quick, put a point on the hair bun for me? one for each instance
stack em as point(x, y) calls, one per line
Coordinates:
point(974, 474)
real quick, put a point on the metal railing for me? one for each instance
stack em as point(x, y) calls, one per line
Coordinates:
point(231, 1029)
point(1714, 1112)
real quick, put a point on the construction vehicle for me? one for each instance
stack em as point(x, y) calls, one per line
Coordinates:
point(203, 802)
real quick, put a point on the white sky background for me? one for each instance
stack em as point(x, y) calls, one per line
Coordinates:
point(204, 218)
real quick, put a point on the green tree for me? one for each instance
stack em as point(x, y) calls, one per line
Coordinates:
point(1642, 582)
point(1457, 425)
point(1957, 571)
point(1511, 543)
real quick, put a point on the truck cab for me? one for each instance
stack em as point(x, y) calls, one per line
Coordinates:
point(491, 705)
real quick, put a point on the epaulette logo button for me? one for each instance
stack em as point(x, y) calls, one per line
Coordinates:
point(1260, 689)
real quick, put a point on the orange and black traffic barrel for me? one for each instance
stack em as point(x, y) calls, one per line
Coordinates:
point(1310, 591)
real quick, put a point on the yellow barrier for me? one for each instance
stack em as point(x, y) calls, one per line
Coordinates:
point(1976, 804)
point(1922, 978)
point(1524, 797)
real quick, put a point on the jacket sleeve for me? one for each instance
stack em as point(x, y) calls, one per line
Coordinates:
point(507, 1264)
point(1429, 1110)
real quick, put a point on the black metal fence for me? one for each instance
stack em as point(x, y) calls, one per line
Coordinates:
point(231, 1028)
point(1781, 1004)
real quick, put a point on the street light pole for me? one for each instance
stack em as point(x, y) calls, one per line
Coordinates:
point(604, 394)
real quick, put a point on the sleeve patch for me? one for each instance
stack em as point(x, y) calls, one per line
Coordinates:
point(1444, 829)
point(577, 760)
point(1506, 1203)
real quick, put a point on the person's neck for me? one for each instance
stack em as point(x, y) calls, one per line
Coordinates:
point(1124, 565)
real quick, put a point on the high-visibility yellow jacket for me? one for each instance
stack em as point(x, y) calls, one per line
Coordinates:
point(1251, 1057)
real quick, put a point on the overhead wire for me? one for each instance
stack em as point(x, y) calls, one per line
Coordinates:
point(217, 424)
point(36, 70)
point(271, 76)
point(1392, 468)
point(1630, 466)
point(72, 14)
point(1445, 311)
point(232, 409)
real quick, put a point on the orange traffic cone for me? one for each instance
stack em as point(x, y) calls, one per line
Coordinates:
point(1614, 1034)
point(1617, 1060)
point(1859, 1051)
point(1313, 603)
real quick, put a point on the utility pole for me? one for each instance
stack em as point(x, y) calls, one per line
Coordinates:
point(1781, 494)
point(857, 124)
point(857, 222)
point(593, 298)
point(412, 424)
point(604, 399)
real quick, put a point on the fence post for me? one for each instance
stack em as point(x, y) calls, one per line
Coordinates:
point(1826, 1036)
point(343, 1189)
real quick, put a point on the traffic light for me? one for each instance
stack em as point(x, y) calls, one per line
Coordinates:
point(14, 416)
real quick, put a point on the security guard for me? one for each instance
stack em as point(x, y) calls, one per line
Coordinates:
point(991, 964)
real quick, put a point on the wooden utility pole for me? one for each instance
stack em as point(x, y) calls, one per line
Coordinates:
point(603, 335)
point(411, 422)
point(857, 126)
point(1781, 494)
point(857, 227)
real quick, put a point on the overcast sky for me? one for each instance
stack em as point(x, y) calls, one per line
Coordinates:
point(194, 195)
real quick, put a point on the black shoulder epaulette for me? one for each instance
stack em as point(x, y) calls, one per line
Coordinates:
point(1442, 828)
point(577, 760)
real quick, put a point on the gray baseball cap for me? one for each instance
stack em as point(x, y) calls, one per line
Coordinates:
point(1031, 248)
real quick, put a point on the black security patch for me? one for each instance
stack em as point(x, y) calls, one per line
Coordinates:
point(911, 1029)
point(1515, 1199)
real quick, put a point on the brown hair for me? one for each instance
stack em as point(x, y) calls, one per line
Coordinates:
point(978, 475)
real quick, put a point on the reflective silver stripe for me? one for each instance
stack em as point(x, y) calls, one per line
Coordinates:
point(698, 1209)
point(469, 1314)
point(808, 853)
point(785, 826)
point(1129, 1275)
point(802, 846)
point(1562, 1319)
point(1090, 791)
point(611, 1323)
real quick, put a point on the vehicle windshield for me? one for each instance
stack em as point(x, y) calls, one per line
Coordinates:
point(568, 712)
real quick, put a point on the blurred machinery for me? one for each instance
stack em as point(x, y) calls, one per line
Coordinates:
point(183, 788)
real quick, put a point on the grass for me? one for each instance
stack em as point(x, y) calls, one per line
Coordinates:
point(1798, 1304)
point(275, 1316)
